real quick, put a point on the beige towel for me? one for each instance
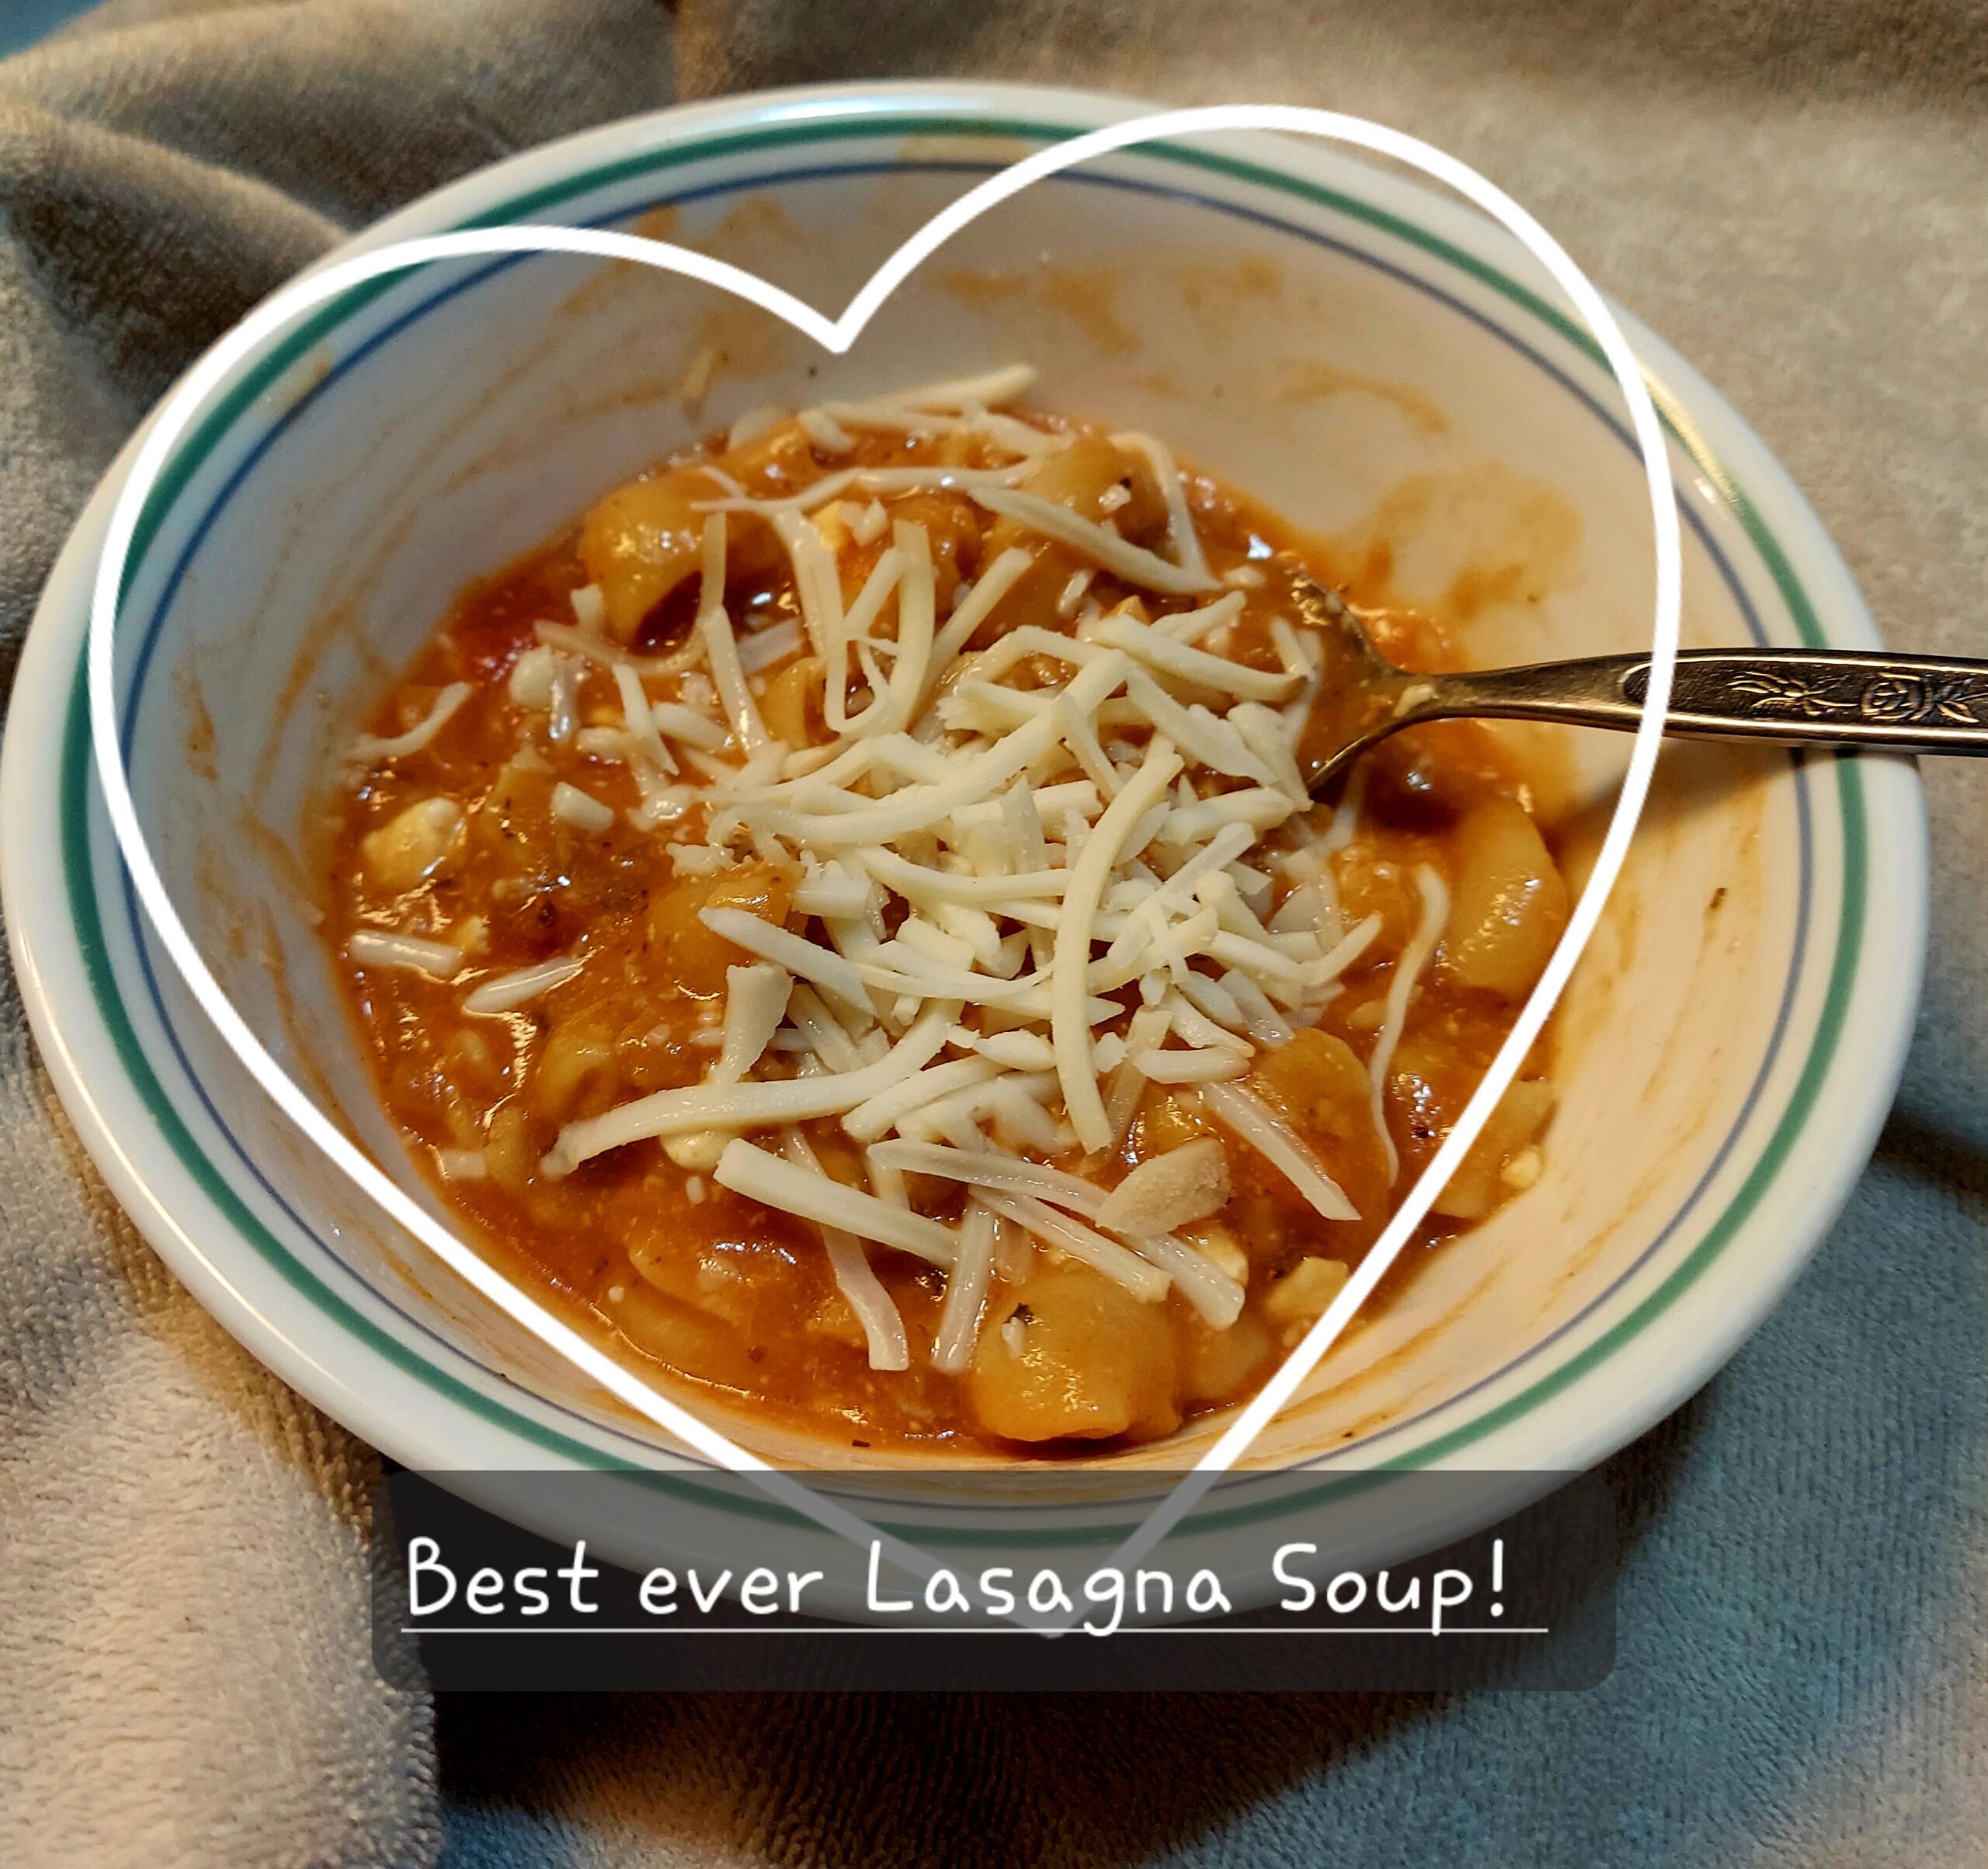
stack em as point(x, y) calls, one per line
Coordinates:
point(1798, 196)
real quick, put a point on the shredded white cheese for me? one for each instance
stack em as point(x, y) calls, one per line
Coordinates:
point(721, 647)
point(1408, 971)
point(1069, 1029)
point(368, 751)
point(1257, 1124)
point(1132, 563)
point(1180, 534)
point(581, 810)
point(506, 992)
point(1185, 663)
point(1121, 1266)
point(966, 1290)
point(748, 1105)
point(775, 1182)
point(1190, 1067)
point(882, 1324)
point(799, 957)
point(756, 1001)
point(412, 954)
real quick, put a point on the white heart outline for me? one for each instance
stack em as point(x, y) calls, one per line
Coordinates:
point(836, 336)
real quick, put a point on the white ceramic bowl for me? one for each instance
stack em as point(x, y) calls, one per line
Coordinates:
point(1376, 361)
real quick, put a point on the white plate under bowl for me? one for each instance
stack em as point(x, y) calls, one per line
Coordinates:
point(1374, 360)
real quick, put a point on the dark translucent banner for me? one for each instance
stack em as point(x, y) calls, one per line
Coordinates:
point(1025, 1579)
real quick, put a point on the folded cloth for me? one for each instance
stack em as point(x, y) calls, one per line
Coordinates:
point(186, 1673)
point(1795, 194)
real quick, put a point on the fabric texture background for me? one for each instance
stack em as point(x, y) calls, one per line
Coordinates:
point(1795, 194)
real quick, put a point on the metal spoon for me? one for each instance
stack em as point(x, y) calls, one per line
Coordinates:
point(1840, 697)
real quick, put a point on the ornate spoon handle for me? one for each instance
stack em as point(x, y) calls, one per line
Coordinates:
point(1913, 703)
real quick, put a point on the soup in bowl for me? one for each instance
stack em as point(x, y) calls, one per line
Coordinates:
point(580, 721)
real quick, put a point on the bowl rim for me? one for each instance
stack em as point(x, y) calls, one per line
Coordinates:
point(183, 1208)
